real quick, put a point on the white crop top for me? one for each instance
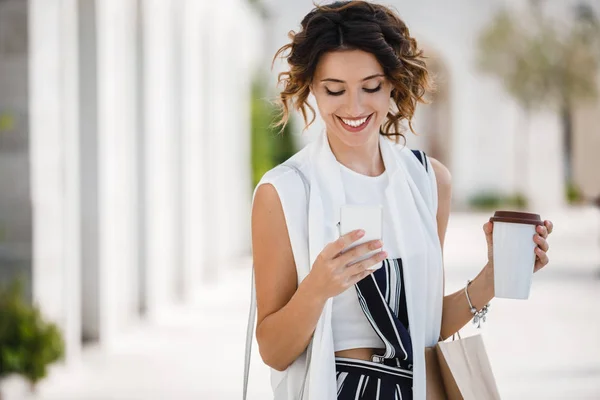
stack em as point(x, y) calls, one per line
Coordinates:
point(351, 328)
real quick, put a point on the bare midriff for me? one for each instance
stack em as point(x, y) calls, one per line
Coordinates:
point(359, 354)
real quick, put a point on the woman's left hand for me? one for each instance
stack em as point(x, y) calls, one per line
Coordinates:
point(541, 256)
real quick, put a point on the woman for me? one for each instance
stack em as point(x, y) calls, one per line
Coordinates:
point(367, 329)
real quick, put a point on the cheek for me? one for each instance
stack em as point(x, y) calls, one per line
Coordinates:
point(381, 103)
point(327, 105)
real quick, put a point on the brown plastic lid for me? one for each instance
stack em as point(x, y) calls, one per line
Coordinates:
point(517, 217)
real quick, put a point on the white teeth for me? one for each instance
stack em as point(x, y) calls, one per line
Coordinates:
point(354, 122)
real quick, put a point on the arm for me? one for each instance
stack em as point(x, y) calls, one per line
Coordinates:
point(287, 312)
point(455, 312)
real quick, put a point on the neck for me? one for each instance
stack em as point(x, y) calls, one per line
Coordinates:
point(365, 159)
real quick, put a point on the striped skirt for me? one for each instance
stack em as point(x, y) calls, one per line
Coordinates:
point(389, 376)
point(357, 379)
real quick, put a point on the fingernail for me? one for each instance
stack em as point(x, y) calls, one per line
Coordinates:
point(360, 233)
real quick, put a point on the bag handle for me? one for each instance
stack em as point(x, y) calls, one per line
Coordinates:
point(252, 313)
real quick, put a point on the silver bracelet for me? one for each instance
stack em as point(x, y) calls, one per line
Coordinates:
point(478, 316)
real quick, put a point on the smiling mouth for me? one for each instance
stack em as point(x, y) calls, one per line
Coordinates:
point(355, 124)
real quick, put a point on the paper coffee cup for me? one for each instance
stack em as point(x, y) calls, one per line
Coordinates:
point(514, 253)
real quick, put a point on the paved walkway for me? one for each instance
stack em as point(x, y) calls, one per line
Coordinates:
point(543, 348)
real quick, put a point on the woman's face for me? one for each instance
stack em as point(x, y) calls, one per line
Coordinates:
point(353, 95)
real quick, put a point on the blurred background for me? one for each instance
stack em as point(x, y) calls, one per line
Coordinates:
point(133, 132)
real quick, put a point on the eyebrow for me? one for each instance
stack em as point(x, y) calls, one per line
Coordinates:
point(341, 81)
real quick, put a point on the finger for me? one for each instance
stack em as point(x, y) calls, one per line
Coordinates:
point(541, 242)
point(542, 259)
point(488, 227)
point(354, 279)
point(351, 255)
point(334, 248)
point(549, 225)
point(372, 262)
point(542, 230)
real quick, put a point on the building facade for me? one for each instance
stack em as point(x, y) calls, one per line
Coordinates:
point(125, 155)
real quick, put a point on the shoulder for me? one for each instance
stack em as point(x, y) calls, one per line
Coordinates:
point(444, 192)
point(415, 160)
point(442, 173)
point(271, 197)
point(282, 179)
point(430, 174)
point(279, 204)
point(281, 190)
point(433, 166)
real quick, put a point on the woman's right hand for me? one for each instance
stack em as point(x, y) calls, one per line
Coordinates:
point(334, 272)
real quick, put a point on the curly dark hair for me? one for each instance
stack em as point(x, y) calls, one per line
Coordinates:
point(355, 25)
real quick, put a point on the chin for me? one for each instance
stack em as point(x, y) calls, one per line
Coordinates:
point(356, 139)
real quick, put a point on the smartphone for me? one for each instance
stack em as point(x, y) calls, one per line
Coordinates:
point(367, 218)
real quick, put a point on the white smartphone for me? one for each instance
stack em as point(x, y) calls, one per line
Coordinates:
point(367, 218)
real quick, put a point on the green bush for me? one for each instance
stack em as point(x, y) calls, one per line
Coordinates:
point(485, 201)
point(517, 201)
point(494, 201)
point(28, 344)
point(574, 194)
point(269, 148)
point(7, 122)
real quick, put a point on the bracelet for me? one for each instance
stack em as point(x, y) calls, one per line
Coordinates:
point(478, 316)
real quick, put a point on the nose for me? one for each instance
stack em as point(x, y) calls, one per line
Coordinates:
point(355, 108)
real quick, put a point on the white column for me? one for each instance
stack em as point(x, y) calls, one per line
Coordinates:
point(463, 148)
point(88, 96)
point(586, 142)
point(194, 101)
point(227, 156)
point(243, 65)
point(215, 83)
point(54, 144)
point(160, 150)
point(181, 286)
point(117, 158)
point(545, 170)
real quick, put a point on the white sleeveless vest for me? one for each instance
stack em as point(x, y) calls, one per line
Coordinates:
point(411, 197)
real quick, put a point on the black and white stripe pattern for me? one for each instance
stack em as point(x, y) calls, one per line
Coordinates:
point(383, 300)
point(358, 380)
point(421, 156)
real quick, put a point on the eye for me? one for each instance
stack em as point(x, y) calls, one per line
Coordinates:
point(329, 92)
point(377, 89)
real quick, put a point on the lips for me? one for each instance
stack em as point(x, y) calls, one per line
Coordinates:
point(355, 124)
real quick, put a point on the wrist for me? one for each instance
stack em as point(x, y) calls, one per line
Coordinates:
point(488, 278)
point(482, 287)
point(479, 314)
point(311, 290)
